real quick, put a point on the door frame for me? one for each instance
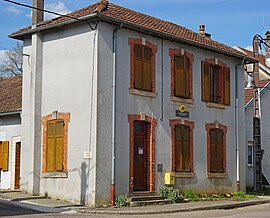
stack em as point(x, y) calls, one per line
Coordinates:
point(15, 140)
point(151, 150)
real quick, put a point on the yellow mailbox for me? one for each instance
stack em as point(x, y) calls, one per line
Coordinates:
point(169, 179)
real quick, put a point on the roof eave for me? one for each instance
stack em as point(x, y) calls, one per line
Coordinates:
point(134, 27)
point(20, 36)
point(173, 38)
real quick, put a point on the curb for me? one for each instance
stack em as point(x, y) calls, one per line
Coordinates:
point(153, 212)
point(30, 206)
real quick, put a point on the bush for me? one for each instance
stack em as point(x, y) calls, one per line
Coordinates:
point(190, 194)
point(171, 193)
point(121, 201)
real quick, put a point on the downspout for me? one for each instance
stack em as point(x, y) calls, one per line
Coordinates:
point(237, 127)
point(113, 112)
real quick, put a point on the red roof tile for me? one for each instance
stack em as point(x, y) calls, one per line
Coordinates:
point(10, 94)
point(136, 19)
point(261, 58)
point(249, 91)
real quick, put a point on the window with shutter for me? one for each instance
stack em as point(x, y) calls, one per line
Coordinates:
point(215, 82)
point(4, 155)
point(181, 74)
point(55, 145)
point(143, 68)
point(182, 148)
point(216, 148)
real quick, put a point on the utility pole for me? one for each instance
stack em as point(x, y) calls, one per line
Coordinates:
point(257, 121)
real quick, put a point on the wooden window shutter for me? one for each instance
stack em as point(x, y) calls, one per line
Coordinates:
point(50, 147)
point(1, 155)
point(219, 151)
point(138, 67)
point(178, 149)
point(213, 160)
point(147, 76)
point(205, 81)
point(147, 69)
point(187, 75)
point(227, 86)
point(179, 77)
point(59, 145)
point(186, 149)
point(5, 155)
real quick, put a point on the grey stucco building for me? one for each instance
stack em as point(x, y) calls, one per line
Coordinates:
point(101, 107)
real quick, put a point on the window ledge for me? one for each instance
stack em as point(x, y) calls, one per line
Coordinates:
point(142, 93)
point(184, 175)
point(217, 175)
point(182, 100)
point(250, 165)
point(215, 105)
point(55, 175)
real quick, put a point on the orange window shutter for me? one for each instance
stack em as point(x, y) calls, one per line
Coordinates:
point(138, 73)
point(179, 77)
point(187, 75)
point(186, 148)
point(220, 151)
point(147, 75)
point(205, 81)
point(1, 155)
point(5, 146)
point(227, 95)
point(50, 147)
point(59, 145)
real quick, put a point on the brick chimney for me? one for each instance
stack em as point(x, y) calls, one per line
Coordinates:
point(37, 15)
point(202, 31)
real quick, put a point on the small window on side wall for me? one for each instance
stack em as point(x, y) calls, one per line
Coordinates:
point(250, 155)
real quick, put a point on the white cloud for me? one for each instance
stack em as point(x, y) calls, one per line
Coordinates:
point(13, 10)
point(58, 7)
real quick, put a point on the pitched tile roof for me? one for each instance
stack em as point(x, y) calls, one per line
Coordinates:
point(261, 58)
point(249, 91)
point(10, 94)
point(132, 19)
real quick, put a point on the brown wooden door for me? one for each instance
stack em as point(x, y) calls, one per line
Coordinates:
point(140, 156)
point(17, 165)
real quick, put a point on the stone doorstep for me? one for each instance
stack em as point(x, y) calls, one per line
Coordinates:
point(149, 202)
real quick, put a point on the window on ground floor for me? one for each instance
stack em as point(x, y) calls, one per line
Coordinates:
point(4, 154)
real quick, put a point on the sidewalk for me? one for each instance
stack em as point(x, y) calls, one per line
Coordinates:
point(48, 205)
point(36, 203)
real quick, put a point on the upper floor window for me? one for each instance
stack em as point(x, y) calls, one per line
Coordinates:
point(142, 65)
point(143, 68)
point(181, 73)
point(215, 82)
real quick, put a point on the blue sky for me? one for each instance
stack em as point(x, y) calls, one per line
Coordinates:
point(232, 22)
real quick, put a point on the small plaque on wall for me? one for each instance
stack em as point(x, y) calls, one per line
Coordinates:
point(181, 114)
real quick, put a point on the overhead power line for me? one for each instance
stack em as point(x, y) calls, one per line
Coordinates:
point(50, 12)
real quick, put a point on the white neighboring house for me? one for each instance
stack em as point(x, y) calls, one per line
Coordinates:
point(72, 122)
point(265, 133)
point(10, 131)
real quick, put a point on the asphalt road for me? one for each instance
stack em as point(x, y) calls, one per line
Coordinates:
point(258, 211)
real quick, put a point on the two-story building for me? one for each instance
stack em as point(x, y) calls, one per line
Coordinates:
point(113, 99)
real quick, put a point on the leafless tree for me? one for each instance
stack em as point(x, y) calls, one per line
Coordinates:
point(14, 62)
